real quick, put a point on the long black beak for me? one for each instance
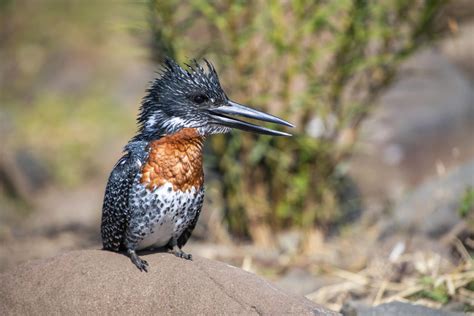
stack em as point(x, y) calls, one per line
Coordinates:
point(221, 116)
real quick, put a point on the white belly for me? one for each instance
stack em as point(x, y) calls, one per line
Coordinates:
point(169, 213)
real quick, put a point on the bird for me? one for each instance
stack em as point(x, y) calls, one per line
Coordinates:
point(155, 191)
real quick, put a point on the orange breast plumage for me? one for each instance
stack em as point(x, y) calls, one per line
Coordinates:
point(176, 159)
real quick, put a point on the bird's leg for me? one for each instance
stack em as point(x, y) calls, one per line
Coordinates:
point(172, 245)
point(141, 264)
point(182, 254)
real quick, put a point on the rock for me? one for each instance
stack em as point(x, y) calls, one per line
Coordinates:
point(420, 127)
point(98, 282)
point(437, 200)
point(354, 308)
point(458, 47)
point(393, 309)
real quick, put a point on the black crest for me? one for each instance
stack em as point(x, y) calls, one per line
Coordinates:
point(175, 90)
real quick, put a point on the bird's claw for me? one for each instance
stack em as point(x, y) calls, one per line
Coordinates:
point(141, 264)
point(181, 254)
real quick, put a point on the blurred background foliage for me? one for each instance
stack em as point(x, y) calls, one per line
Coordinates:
point(317, 63)
point(56, 106)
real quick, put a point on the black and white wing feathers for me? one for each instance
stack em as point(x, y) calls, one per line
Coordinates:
point(116, 208)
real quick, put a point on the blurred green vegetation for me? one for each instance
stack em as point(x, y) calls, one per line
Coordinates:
point(66, 137)
point(438, 293)
point(319, 64)
point(56, 104)
point(466, 206)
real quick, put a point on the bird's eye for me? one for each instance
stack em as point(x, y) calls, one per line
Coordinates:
point(200, 98)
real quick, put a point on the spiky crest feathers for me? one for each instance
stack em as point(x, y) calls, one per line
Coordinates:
point(165, 98)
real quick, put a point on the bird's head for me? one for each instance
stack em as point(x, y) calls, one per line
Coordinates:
point(193, 98)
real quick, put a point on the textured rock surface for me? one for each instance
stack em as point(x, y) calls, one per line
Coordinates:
point(394, 309)
point(98, 282)
point(437, 200)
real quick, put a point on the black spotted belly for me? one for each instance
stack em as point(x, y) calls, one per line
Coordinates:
point(162, 214)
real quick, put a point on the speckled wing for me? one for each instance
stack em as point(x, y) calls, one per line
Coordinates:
point(116, 208)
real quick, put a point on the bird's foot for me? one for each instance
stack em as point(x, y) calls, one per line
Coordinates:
point(181, 254)
point(141, 264)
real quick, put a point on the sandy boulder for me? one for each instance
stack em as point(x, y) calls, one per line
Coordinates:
point(98, 282)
